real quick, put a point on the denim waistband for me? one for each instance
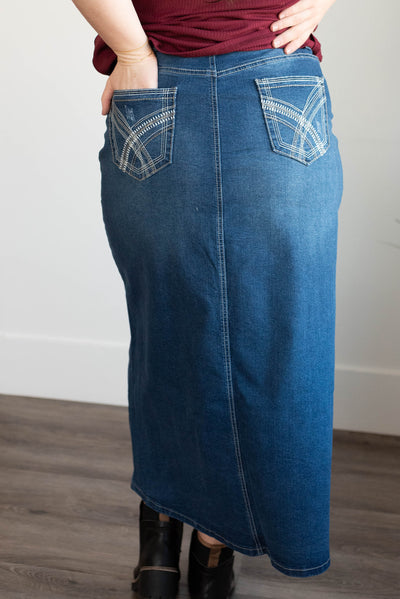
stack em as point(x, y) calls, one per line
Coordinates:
point(218, 63)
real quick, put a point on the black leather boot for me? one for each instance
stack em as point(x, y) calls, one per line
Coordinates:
point(210, 573)
point(157, 573)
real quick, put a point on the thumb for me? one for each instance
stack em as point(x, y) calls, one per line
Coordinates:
point(106, 98)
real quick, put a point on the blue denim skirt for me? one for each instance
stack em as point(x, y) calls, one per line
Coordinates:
point(220, 192)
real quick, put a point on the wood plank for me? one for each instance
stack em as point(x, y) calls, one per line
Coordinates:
point(69, 520)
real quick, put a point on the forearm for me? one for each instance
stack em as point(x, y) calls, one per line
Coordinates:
point(116, 21)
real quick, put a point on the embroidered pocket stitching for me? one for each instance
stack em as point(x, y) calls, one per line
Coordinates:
point(277, 111)
point(130, 143)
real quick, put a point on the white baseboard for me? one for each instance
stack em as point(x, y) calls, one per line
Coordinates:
point(366, 399)
point(62, 368)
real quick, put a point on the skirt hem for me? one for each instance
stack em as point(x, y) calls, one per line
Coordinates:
point(251, 551)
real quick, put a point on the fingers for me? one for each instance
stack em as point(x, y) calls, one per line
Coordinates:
point(105, 107)
point(296, 8)
point(289, 21)
point(298, 20)
point(293, 37)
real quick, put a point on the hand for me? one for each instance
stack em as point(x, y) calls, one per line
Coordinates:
point(143, 74)
point(302, 19)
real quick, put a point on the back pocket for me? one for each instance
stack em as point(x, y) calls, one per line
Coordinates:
point(295, 113)
point(142, 125)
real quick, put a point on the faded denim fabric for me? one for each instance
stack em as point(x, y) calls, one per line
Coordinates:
point(220, 193)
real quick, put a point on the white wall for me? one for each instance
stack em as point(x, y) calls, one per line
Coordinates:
point(360, 63)
point(64, 326)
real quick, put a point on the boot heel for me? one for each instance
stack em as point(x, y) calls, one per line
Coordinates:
point(206, 578)
point(154, 582)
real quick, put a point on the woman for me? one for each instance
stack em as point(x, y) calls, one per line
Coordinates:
point(221, 184)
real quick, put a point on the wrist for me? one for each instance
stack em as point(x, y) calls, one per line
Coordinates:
point(134, 55)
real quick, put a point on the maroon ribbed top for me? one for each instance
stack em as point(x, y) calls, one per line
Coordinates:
point(204, 28)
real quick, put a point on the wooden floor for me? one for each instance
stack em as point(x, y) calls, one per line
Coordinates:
point(69, 520)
